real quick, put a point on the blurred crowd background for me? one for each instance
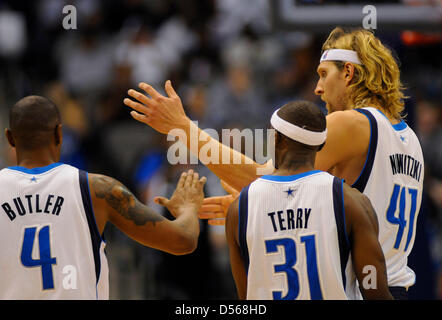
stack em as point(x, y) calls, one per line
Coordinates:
point(231, 69)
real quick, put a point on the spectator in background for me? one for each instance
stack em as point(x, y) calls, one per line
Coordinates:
point(85, 62)
point(141, 54)
point(75, 125)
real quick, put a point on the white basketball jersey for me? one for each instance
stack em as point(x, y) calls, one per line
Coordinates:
point(49, 241)
point(293, 240)
point(392, 178)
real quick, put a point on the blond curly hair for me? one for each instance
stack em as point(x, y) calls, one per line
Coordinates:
point(377, 81)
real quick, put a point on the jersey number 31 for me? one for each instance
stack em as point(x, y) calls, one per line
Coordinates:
point(289, 246)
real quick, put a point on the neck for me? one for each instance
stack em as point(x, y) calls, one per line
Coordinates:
point(290, 164)
point(35, 158)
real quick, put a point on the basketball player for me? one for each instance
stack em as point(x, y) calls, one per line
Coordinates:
point(52, 215)
point(368, 143)
point(298, 226)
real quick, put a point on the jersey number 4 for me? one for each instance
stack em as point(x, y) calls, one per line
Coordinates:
point(289, 246)
point(45, 261)
point(400, 219)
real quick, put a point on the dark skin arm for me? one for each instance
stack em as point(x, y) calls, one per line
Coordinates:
point(113, 202)
point(236, 262)
point(363, 229)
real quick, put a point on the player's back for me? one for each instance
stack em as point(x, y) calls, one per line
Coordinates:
point(293, 240)
point(50, 245)
point(392, 178)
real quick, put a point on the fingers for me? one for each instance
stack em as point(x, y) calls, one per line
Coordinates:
point(211, 208)
point(170, 90)
point(229, 188)
point(137, 106)
point(189, 179)
point(211, 215)
point(182, 180)
point(202, 181)
point(150, 90)
point(140, 97)
point(161, 201)
point(140, 117)
point(195, 179)
point(183, 177)
point(213, 200)
point(217, 222)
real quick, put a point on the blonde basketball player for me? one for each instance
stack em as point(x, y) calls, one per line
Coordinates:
point(368, 143)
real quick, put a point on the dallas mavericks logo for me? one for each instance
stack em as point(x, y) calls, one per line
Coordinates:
point(290, 192)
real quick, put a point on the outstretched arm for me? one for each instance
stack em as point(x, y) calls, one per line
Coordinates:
point(367, 255)
point(113, 202)
point(166, 115)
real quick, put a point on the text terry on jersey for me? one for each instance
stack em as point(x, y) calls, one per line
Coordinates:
point(290, 219)
point(33, 204)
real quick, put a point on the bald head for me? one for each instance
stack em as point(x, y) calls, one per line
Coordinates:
point(33, 123)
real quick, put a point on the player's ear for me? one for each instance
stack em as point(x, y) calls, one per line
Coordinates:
point(9, 137)
point(349, 71)
point(58, 132)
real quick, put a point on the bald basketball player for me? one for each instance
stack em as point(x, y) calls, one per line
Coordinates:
point(368, 143)
point(52, 215)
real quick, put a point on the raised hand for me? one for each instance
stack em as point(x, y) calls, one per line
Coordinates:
point(214, 209)
point(188, 194)
point(161, 113)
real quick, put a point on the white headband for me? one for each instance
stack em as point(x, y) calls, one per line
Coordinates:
point(341, 55)
point(296, 133)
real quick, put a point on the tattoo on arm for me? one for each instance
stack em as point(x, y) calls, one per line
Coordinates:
point(123, 201)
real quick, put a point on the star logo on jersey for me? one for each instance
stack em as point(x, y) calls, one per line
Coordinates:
point(290, 192)
point(33, 179)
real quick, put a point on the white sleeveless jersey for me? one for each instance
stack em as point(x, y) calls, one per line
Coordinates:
point(392, 178)
point(50, 246)
point(293, 240)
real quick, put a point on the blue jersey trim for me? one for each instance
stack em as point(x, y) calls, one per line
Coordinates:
point(37, 170)
point(242, 226)
point(398, 126)
point(362, 180)
point(93, 228)
point(339, 210)
point(289, 178)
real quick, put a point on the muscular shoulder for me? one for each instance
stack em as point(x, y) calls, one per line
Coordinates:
point(342, 121)
point(348, 136)
point(104, 187)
